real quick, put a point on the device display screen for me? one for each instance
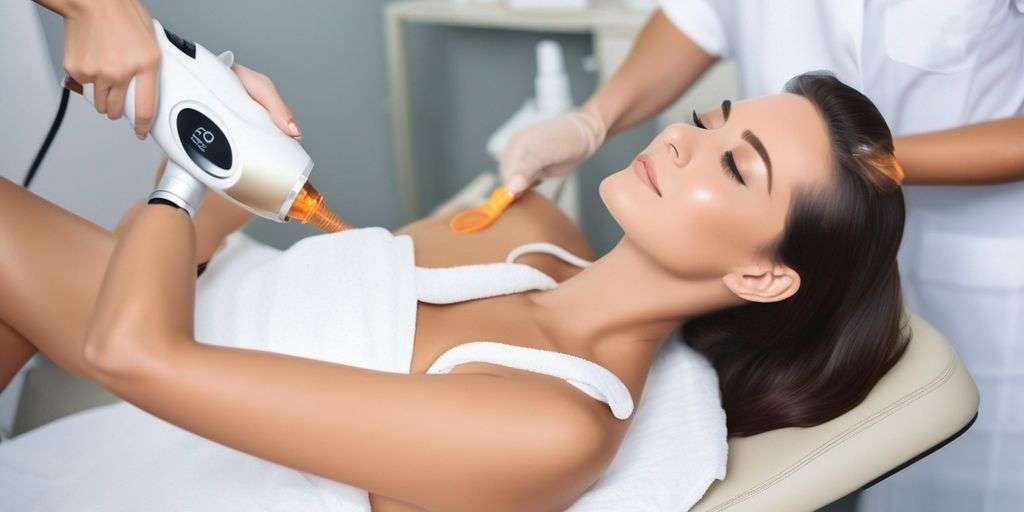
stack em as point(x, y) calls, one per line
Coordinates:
point(204, 142)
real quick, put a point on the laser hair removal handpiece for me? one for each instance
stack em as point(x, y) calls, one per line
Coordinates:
point(215, 135)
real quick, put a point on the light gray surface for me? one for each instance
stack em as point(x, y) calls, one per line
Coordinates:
point(96, 168)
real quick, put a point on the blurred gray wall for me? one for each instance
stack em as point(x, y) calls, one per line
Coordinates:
point(328, 60)
point(95, 168)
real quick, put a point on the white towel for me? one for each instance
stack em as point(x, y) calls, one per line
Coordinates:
point(677, 445)
point(120, 458)
point(456, 284)
point(346, 297)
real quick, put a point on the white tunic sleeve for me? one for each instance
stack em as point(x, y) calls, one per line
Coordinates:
point(702, 21)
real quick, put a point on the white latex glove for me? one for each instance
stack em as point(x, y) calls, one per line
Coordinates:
point(550, 148)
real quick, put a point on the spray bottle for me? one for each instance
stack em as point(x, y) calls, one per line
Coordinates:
point(552, 97)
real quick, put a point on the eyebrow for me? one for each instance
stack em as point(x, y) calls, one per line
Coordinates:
point(726, 109)
point(759, 147)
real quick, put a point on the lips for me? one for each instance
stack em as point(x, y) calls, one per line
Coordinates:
point(644, 169)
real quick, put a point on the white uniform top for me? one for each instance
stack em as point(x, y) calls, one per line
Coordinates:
point(928, 65)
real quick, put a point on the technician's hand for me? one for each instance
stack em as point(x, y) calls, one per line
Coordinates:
point(262, 89)
point(107, 43)
point(217, 217)
point(550, 148)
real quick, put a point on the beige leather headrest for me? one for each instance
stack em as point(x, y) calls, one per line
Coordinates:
point(924, 400)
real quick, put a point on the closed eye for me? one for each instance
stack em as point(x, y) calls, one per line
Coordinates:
point(730, 168)
point(697, 122)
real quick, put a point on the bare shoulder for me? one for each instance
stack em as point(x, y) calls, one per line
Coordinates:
point(528, 449)
point(576, 434)
point(532, 218)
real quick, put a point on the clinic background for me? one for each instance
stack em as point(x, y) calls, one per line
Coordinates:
point(328, 60)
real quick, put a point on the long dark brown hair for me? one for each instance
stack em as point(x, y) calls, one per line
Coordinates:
point(807, 359)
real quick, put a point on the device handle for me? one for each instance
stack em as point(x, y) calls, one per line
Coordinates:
point(179, 187)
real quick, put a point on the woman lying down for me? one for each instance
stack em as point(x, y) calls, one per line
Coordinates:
point(386, 364)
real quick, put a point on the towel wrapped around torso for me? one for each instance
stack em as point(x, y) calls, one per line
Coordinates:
point(346, 297)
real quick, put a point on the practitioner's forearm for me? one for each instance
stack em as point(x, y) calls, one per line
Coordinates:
point(982, 153)
point(663, 63)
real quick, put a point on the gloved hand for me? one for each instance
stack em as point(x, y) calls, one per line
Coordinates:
point(551, 148)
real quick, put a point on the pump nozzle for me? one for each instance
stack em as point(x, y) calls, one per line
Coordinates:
point(310, 208)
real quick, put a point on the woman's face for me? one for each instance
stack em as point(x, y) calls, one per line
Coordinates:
point(718, 195)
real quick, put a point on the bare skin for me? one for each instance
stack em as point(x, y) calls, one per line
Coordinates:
point(485, 437)
point(534, 219)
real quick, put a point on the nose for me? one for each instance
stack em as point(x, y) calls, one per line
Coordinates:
point(680, 140)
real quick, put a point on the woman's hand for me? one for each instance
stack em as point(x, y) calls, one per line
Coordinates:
point(218, 217)
point(550, 148)
point(261, 88)
point(107, 43)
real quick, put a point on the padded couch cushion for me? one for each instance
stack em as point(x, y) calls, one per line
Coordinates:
point(924, 400)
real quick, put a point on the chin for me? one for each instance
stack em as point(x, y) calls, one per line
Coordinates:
point(618, 197)
point(629, 203)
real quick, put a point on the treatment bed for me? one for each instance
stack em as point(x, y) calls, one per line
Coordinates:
point(926, 400)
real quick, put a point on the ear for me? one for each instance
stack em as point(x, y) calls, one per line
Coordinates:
point(763, 282)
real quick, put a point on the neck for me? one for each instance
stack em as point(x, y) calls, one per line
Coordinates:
point(623, 306)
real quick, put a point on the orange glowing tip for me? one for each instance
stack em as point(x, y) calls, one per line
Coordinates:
point(478, 218)
point(310, 208)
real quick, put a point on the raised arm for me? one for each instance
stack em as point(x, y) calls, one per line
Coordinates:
point(982, 153)
point(442, 442)
point(215, 219)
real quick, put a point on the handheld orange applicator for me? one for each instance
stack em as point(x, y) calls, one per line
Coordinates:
point(309, 208)
point(475, 219)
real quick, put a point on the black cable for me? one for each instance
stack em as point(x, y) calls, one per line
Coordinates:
point(57, 121)
point(160, 200)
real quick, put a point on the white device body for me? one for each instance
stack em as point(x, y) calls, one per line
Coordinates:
point(264, 170)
